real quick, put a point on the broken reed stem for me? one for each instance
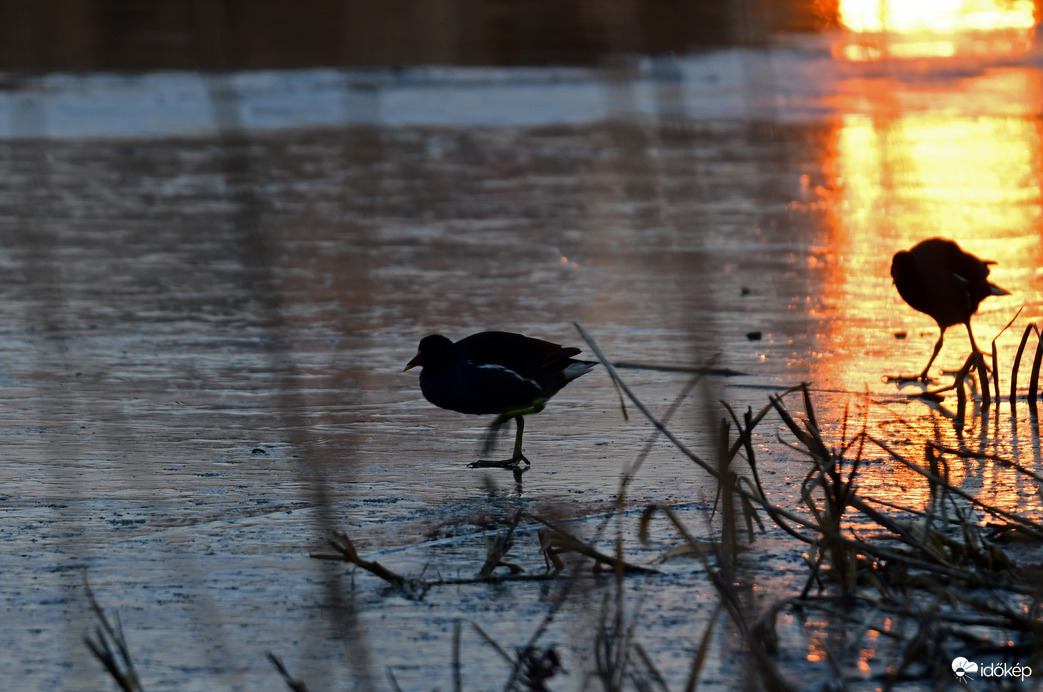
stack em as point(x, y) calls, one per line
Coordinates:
point(630, 472)
point(961, 394)
point(347, 552)
point(745, 437)
point(1034, 380)
point(497, 549)
point(110, 647)
point(691, 369)
point(995, 358)
point(983, 378)
point(996, 369)
point(726, 489)
point(294, 684)
point(416, 588)
point(640, 406)
point(702, 650)
point(531, 667)
point(1017, 362)
point(752, 637)
point(573, 544)
point(457, 677)
point(1036, 362)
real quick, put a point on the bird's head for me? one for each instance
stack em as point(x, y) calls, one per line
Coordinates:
point(433, 349)
point(903, 263)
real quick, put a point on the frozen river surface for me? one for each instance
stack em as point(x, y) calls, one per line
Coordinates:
point(211, 285)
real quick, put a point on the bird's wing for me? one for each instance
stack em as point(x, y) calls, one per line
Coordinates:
point(522, 354)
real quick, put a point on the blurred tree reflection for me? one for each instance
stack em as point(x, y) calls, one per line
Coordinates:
point(49, 35)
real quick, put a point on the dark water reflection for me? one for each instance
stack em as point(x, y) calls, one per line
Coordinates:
point(204, 340)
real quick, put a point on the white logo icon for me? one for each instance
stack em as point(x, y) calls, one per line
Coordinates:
point(961, 666)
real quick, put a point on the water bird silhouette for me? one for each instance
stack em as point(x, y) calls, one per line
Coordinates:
point(938, 278)
point(501, 373)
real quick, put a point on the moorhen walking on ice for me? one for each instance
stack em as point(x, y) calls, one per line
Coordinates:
point(499, 373)
point(939, 279)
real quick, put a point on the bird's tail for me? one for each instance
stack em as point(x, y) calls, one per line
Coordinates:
point(577, 368)
point(995, 290)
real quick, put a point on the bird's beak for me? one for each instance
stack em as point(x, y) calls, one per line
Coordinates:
point(413, 363)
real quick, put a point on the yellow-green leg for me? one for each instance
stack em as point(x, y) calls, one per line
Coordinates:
point(516, 458)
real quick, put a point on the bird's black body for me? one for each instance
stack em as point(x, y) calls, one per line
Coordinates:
point(500, 373)
point(939, 279)
point(494, 372)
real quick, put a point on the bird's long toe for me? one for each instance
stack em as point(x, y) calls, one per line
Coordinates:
point(510, 464)
point(902, 379)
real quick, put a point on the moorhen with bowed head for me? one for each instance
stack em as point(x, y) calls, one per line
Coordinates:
point(939, 279)
point(499, 373)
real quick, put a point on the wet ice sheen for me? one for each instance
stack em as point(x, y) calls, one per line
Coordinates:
point(177, 297)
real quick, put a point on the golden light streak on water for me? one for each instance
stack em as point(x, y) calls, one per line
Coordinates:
point(934, 28)
point(958, 158)
point(940, 16)
point(898, 180)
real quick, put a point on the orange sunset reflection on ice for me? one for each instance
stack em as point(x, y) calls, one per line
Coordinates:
point(935, 28)
point(923, 151)
point(904, 177)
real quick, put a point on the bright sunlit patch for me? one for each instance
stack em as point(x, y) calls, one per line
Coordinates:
point(916, 49)
point(936, 16)
point(956, 158)
point(903, 179)
point(935, 28)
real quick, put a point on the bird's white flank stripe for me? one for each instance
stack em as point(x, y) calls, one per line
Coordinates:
point(512, 373)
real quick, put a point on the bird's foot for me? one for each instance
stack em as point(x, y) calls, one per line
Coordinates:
point(902, 379)
point(511, 464)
